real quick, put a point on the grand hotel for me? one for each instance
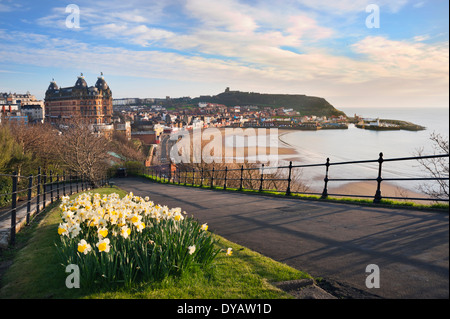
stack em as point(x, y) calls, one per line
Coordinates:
point(93, 104)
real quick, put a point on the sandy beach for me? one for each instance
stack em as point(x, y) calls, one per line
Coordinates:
point(369, 189)
point(232, 147)
point(356, 188)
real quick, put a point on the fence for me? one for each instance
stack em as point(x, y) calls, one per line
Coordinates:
point(239, 178)
point(35, 193)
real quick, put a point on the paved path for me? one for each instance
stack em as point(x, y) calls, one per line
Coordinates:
point(22, 211)
point(335, 241)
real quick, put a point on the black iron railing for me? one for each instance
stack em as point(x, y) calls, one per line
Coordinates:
point(236, 177)
point(29, 195)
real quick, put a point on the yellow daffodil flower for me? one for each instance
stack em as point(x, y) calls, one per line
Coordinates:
point(103, 245)
point(84, 247)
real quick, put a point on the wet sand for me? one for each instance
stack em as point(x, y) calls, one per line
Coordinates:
point(369, 189)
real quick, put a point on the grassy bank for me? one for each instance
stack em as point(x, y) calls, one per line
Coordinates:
point(351, 200)
point(35, 271)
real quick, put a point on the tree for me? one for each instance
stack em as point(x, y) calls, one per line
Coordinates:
point(436, 168)
point(36, 143)
point(8, 149)
point(12, 156)
point(83, 152)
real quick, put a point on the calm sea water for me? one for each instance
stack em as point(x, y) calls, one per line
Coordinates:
point(359, 144)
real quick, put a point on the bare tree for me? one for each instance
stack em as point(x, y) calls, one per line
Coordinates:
point(436, 168)
point(38, 141)
point(127, 149)
point(84, 152)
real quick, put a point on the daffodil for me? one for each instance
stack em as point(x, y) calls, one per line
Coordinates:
point(84, 247)
point(64, 199)
point(191, 249)
point(140, 227)
point(125, 231)
point(135, 219)
point(103, 245)
point(102, 222)
point(204, 227)
point(74, 230)
point(102, 232)
point(229, 251)
point(63, 229)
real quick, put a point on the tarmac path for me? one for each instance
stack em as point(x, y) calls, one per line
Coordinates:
point(332, 240)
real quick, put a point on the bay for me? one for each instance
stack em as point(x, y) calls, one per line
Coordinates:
point(359, 144)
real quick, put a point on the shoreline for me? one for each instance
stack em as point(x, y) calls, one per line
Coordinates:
point(287, 152)
point(369, 189)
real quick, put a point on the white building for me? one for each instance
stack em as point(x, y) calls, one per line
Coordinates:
point(35, 112)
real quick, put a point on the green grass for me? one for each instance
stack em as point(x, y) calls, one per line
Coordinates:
point(37, 273)
point(350, 200)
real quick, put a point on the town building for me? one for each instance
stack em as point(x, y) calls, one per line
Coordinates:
point(20, 108)
point(35, 112)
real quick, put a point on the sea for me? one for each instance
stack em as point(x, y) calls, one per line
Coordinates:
point(354, 144)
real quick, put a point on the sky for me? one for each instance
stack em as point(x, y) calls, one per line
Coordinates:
point(353, 53)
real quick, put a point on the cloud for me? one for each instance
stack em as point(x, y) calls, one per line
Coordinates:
point(409, 60)
point(136, 34)
point(303, 26)
point(263, 47)
point(420, 38)
point(110, 12)
point(348, 6)
point(419, 4)
point(227, 14)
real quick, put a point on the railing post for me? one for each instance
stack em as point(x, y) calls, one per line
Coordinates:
point(76, 183)
point(44, 190)
point(12, 237)
point(225, 179)
point(193, 176)
point(30, 186)
point(201, 178)
point(377, 198)
point(325, 189)
point(64, 183)
point(288, 189)
point(261, 179)
point(185, 176)
point(242, 177)
point(212, 177)
point(38, 191)
point(70, 184)
point(51, 187)
point(57, 186)
point(179, 175)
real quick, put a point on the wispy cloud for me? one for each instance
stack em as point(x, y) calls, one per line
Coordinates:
point(265, 46)
point(348, 6)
